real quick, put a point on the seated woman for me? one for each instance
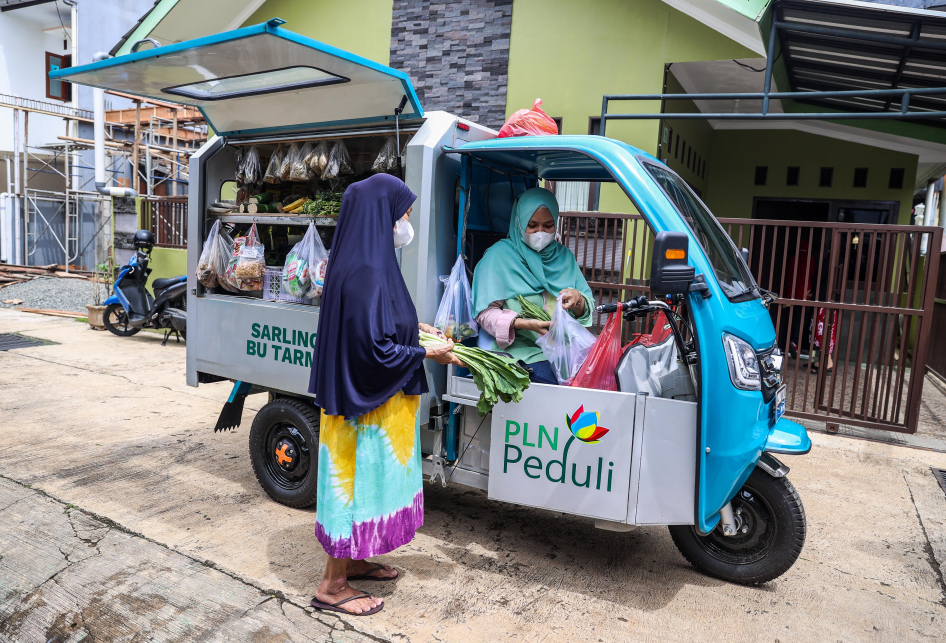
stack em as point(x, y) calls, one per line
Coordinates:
point(531, 263)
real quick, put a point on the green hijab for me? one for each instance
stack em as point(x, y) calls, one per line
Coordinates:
point(510, 267)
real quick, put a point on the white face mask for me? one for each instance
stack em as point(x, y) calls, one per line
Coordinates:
point(403, 233)
point(538, 240)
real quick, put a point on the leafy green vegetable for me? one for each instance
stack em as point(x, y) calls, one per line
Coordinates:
point(496, 376)
point(531, 311)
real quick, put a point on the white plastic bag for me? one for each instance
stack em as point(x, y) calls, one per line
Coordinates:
point(305, 261)
point(455, 314)
point(566, 345)
point(318, 262)
point(250, 262)
point(339, 163)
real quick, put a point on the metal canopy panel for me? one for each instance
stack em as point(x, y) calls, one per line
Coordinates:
point(532, 155)
point(831, 47)
point(260, 79)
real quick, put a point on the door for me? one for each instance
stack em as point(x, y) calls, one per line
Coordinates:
point(259, 80)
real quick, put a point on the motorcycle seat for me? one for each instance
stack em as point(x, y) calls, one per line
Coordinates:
point(161, 284)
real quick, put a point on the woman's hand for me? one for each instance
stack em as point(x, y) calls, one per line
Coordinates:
point(536, 326)
point(572, 300)
point(443, 354)
point(427, 328)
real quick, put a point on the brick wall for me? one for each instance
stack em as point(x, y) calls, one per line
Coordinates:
point(456, 53)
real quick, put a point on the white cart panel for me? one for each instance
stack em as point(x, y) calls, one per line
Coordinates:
point(536, 460)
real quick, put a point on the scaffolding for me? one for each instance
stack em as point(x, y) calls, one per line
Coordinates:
point(154, 139)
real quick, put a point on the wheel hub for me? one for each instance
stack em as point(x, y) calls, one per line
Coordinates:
point(287, 456)
point(755, 531)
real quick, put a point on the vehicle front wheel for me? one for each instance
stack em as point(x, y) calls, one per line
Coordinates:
point(284, 451)
point(770, 534)
point(116, 320)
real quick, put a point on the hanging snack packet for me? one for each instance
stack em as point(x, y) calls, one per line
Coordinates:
point(206, 274)
point(285, 170)
point(566, 345)
point(339, 163)
point(455, 314)
point(387, 158)
point(252, 170)
point(227, 280)
point(275, 166)
point(317, 159)
point(306, 171)
point(251, 262)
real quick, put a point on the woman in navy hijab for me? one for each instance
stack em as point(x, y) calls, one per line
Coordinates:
point(367, 376)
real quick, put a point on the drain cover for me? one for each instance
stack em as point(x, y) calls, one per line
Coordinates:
point(10, 341)
point(940, 475)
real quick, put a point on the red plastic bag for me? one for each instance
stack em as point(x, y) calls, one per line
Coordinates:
point(597, 371)
point(529, 122)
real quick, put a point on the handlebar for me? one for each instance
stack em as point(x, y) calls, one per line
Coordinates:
point(631, 305)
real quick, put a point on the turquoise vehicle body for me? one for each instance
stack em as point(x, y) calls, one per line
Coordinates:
point(735, 425)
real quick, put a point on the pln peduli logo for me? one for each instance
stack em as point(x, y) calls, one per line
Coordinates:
point(584, 425)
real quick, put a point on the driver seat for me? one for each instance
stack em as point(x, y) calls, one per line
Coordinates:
point(161, 284)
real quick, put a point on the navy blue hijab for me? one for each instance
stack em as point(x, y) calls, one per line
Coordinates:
point(366, 348)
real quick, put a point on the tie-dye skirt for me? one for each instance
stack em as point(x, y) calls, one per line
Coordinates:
point(370, 498)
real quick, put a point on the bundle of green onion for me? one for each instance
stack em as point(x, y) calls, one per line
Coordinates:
point(497, 377)
point(531, 311)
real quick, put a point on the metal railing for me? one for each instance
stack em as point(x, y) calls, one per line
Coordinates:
point(857, 298)
point(166, 217)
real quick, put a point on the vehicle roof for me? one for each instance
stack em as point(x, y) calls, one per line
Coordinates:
point(562, 158)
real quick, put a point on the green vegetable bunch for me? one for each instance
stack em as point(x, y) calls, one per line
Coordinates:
point(531, 311)
point(497, 377)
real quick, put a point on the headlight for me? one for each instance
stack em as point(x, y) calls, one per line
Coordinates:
point(743, 366)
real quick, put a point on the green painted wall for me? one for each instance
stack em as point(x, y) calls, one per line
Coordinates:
point(167, 262)
point(572, 53)
point(362, 27)
point(736, 153)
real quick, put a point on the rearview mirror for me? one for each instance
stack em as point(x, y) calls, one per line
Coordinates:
point(670, 274)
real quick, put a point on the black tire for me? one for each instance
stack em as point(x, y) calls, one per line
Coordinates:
point(775, 521)
point(287, 428)
point(116, 320)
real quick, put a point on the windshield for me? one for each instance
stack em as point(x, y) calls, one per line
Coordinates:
point(731, 271)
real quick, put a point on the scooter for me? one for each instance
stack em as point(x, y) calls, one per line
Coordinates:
point(132, 307)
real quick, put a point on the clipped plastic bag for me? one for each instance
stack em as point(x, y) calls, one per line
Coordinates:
point(285, 170)
point(529, 122)
point(566, 345)
point(250, 262)
point(339, 163)
point(227, 279)
point(297, 273)
point(455, 313)
point(274, 167)
point(387, 157)
point(597, 371)
point(207, 264)
point(318, 262)
point(317, 159)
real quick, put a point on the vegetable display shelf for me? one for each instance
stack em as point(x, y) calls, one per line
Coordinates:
point(274, 219)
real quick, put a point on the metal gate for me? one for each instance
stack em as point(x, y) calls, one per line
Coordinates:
point(166, 217)
point(858, 296)
point(854, 317)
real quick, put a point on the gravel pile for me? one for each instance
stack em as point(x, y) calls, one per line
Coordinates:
point(51, 293)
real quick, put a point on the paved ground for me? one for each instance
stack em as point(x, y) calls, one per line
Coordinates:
point(165, 534)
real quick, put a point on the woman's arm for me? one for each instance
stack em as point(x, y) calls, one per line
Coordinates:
point(499, 322)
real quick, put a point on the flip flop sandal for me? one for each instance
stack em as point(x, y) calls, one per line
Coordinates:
point(368, 574)
point(334, 607)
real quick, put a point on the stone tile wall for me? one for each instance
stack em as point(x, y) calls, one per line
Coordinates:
point(456, 53)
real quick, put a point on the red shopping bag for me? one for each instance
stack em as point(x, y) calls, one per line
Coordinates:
point(529, 122)
point(597, 371)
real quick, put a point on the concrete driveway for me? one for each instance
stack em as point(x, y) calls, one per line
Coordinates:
point(110, 472)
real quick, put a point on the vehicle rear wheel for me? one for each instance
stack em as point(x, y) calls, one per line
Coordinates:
point(284, 451)
point(116, 320)
point(770, 537)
